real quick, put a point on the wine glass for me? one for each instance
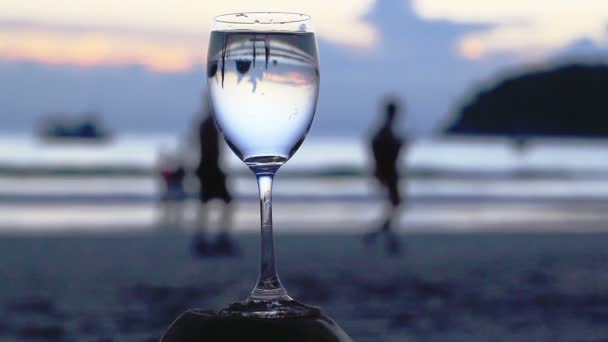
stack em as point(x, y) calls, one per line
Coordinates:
point(263, 80)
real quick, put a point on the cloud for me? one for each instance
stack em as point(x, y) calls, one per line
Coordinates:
point(90, 48)
point(164, 36)
point(522, 27)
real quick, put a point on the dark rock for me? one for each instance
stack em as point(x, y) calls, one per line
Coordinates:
point(196, 325)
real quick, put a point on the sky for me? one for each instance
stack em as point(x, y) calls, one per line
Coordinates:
point(140, 64)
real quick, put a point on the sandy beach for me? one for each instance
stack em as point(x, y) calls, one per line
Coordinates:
point(445, 287)
point(495, 258)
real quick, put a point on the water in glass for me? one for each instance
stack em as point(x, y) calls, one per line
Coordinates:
point(263, 87)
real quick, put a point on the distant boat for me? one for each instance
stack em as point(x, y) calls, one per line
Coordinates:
point(86, 127)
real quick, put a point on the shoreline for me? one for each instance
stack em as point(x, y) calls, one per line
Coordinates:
point(52, 205)
point(334, 172)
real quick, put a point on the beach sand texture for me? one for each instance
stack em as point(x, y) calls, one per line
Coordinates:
point(445, 287)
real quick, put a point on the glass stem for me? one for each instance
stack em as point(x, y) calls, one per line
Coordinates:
point(268, 287)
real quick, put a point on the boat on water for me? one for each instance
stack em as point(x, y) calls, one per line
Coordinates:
point(81, 128)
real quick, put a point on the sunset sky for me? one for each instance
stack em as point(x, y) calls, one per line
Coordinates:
point(85, 46)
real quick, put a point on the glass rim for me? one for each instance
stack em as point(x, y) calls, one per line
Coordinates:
point(220, 18)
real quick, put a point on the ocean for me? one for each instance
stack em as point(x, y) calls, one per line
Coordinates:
point(318, 153)
point(454, 185)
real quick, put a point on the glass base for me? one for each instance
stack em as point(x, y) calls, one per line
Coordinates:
point(270, 309)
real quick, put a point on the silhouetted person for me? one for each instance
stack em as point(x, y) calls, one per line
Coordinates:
point(212, 180)
point(386, 147)
point(173, 195)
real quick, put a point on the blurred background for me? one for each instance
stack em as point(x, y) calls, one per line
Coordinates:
point(504, 177)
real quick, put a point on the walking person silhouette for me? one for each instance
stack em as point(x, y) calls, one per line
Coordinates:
point(386, 147)
point(212, 181)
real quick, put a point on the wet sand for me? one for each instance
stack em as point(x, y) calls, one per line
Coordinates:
point(444, 287)
point(51, 205)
